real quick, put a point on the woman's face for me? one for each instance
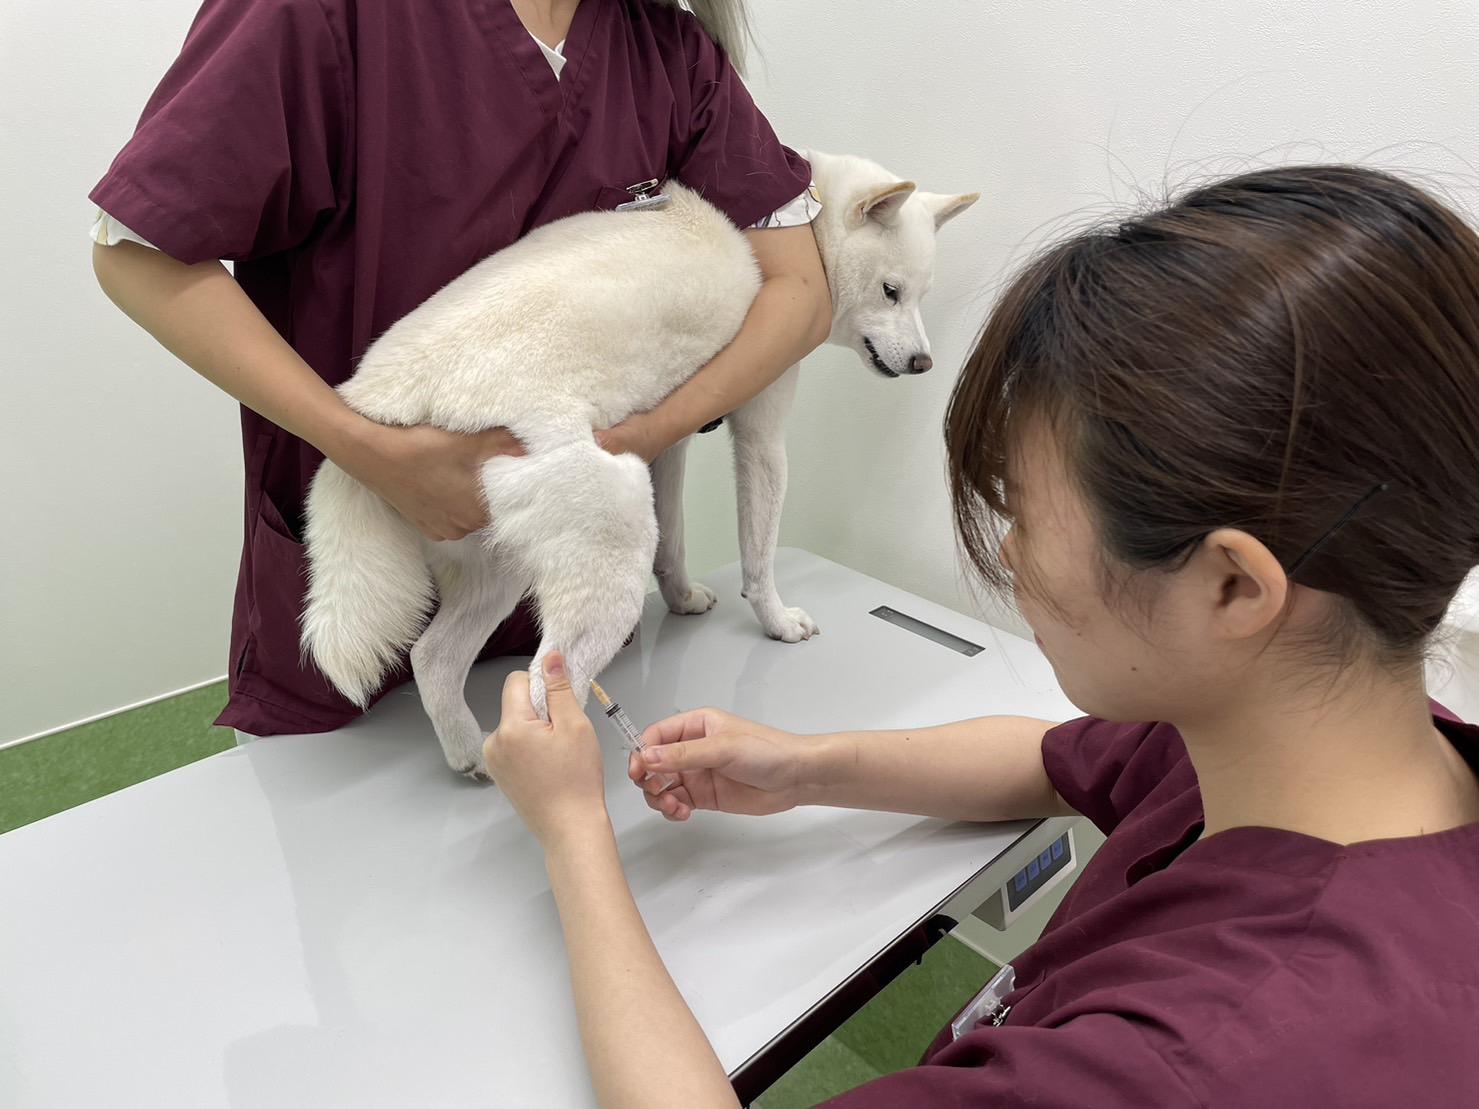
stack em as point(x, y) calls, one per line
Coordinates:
point(1115, 657)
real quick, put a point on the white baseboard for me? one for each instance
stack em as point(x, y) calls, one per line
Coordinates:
point(111, 712)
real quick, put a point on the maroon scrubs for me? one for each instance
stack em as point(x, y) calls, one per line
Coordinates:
point(1256, 968)
point(352, 158)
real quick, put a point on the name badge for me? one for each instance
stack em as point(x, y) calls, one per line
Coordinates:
point(646, 195)
point(987, 1003)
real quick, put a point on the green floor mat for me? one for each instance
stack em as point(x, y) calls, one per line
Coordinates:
point(46, 776)
point(890, 1032)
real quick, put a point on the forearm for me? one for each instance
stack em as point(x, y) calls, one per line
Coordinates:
point(989, 768)
point(641, 1041)
point(788, 319)
point(202, 316)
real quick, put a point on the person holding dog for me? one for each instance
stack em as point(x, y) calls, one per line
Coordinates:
point(351, 160)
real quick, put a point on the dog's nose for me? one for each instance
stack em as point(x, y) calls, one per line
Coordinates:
point(919, 363)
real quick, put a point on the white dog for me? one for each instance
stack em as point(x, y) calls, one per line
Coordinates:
point(575, 327)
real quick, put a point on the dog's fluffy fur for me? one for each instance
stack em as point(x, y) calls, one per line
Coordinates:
point(575, 327)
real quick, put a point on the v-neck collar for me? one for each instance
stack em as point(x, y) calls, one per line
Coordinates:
point(555, 95)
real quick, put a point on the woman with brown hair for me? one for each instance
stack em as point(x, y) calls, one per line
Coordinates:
point(1225, 456)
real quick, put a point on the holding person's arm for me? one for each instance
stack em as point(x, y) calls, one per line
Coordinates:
point(790, 317)
point(202, 316)
point(642, 1043)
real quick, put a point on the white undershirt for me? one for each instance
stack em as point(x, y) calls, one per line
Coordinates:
point(555, 55)
point(803, 209)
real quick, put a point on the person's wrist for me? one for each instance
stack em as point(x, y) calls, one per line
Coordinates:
point(578, 831)
point(824, 759)
point(654, 432)
point(355, 442)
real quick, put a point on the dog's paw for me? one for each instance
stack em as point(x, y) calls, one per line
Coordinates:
point(478, 773)
point(791, 626)
point(700, 599)
point(463, 750)
point(470, 767)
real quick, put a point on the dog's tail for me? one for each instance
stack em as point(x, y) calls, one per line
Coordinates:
point(369, 588)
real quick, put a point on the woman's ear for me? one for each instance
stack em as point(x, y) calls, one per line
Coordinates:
point(1242, 583)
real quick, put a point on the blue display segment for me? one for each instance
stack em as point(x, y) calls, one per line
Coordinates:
point(1036, 874)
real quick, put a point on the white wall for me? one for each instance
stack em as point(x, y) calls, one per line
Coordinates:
point(121, 481)
point(1048, 109)
point(121, 491)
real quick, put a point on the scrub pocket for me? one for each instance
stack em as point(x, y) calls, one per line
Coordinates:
point(279, 581)
point(272, 667)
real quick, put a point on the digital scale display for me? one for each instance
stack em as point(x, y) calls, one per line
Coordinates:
point(1036, 874)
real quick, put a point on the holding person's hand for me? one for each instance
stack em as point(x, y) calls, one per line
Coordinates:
point(430, 476)
point(634, 435)
point(552, 772)
point(724, 763)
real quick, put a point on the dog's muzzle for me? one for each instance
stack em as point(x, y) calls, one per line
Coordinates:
point(878, 363)
point(918, 364)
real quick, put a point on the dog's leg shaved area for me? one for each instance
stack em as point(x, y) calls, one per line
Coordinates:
point(759, 430)
point(477, 595)
point(582, 522)
point(682, 595)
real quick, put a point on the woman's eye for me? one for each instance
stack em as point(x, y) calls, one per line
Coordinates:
point(891, 293)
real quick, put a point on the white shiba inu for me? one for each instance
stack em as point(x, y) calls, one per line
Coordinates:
point(575, 327)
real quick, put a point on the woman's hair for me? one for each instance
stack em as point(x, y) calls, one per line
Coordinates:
point(728, 24)
point(1293, 352)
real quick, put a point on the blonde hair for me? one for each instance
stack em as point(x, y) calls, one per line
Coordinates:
point(728, 24)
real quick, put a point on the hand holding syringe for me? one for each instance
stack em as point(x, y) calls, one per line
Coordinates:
point(630, 735)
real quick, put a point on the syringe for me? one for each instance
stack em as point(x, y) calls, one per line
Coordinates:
point(617, 715)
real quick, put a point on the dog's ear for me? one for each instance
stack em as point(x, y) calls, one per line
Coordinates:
point(880, 204)
point(945, 207)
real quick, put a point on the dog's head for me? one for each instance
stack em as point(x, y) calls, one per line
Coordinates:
point(876, 235)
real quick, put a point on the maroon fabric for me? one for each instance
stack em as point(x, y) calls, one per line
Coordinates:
point(353, 158)
point(1254, 968)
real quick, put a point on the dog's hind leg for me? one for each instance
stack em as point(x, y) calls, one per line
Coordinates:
point(477, 594)
point(681, 594)
point(582, 524)
point(759, 430)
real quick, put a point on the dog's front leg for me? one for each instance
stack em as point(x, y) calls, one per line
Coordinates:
point(681, 594)
point(759, 430)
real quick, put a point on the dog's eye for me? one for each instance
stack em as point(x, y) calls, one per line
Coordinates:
point(890, 293)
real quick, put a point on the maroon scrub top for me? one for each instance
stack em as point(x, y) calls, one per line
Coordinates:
point(352, 158)
point(1255, 969)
